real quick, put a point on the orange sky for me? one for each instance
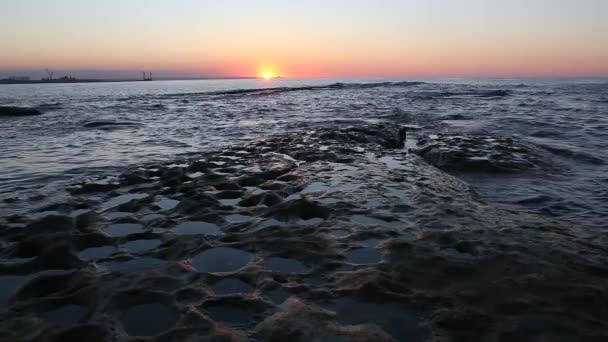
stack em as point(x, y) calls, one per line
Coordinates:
point(314, 39)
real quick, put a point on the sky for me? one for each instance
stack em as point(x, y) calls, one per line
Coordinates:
point(312, 38)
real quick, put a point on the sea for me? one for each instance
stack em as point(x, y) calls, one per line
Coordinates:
point(94, 130)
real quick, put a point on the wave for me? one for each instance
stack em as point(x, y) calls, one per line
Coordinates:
point(333, 86)
point(497, 93)
point(572, 153)
point(49, 106)
point(280, 90)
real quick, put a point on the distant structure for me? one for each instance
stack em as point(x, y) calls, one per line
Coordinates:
point(18, 78)
point(49, 74)
point(147, 77)
point(50, 78)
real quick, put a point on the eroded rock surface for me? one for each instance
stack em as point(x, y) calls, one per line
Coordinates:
point(478, 153)
point(319, 236)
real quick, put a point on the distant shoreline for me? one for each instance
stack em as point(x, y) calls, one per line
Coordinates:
point(59, 81)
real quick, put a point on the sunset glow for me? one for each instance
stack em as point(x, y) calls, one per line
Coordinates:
point(388, 38)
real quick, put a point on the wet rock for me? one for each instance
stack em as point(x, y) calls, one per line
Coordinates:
point(86, 188)
point(133, 179)
point(268, 199)
point(85, 332)
point(18, 111)
point(86, 219)
point(386, 248)
point(398, 141)
point(297, 321)
point(477, 154)
point(52, 224)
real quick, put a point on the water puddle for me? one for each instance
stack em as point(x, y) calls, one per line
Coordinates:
point(221, 259)
point(148, 319)
point(329, 200)
point(284, 265)
point(374, 202)
point(172, 166)
point(293, 197)
point(195, 175)
point(369, 221)
point(391, 163)
point(231, 286)
point(363, 256)
point(97, 252)
point(134, 265)
point(69, 314)
point(397, 193)
point(339, 233)
point(167, 204)
point(117, 215)
point(139, 246)
point(123, 229)
point(316, 187)
point(271, 223)
point(120, 200)
point(237, 218)
point(197, 228)
point(230, 202)
point(152, 217)
point(402, 324)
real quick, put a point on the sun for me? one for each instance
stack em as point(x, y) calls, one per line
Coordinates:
point(268, 72)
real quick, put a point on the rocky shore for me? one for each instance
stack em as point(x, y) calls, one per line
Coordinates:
point(322, 235)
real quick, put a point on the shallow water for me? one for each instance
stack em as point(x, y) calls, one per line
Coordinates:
point(364, 256)
point(401, 323)
point(122, 199)
point(221, 259)
point(123, 229)
point(148, 319)
point(139, 246)
point(197, 228)
point(97, 252)
point(566, 116)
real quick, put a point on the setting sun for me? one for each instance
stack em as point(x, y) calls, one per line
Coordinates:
point(267, 76)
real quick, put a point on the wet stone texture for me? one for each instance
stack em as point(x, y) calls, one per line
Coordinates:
point(478, 153)
point(328, 235)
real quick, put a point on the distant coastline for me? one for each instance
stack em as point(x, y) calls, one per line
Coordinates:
point(72, 80)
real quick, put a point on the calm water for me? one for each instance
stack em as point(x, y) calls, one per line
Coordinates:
point(160, 120)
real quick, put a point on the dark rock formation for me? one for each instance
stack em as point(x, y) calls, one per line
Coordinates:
point(478, 153)
point(18, 111)
point(419, 256)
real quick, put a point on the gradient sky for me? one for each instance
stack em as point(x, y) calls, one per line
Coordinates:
point(312, 38)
